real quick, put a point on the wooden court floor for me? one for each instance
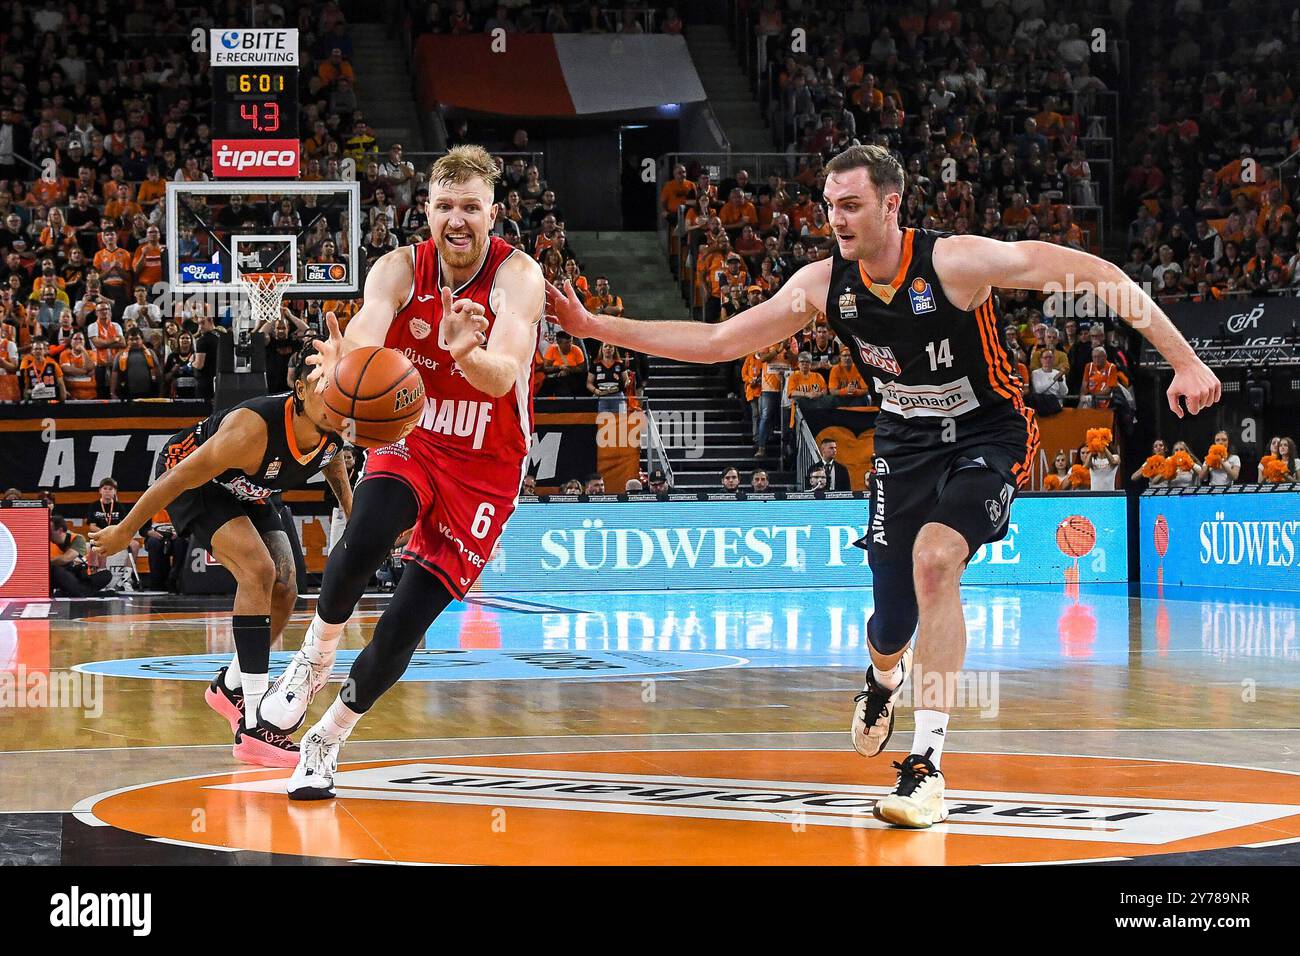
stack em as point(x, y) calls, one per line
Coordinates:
point(682, 728)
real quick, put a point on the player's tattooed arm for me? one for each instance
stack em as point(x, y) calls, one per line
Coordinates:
point(969, 267)
point(495, 363)
point(774, 320)
point(239, 443)
point(336, 476)
point(388, 285)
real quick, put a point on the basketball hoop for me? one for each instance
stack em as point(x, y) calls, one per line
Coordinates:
point(265, 293)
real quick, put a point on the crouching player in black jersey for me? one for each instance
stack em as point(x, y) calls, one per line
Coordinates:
point(954, 440)
point(220, 481)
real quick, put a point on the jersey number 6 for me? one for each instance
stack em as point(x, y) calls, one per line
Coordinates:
point(482, 520)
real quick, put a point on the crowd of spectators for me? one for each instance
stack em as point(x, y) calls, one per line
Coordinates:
point(459, 17)
point(93, 122)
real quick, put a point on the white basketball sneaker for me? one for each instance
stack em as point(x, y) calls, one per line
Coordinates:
point(284, 706)
point(917, 800)
point(873, 711)
point(313, 778)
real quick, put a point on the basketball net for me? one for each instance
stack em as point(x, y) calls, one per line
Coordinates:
point(265, 293)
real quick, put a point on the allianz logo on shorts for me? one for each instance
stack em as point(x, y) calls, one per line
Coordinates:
point(928, 401)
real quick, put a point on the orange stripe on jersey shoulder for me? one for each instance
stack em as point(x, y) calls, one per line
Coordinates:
point(292, 440)
point(904, 264)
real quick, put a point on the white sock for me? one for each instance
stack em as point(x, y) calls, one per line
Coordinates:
point(233, 678)
point(338, 721)
point(254, 690)
point(891, 678)
point(931, 731)
point(322, 640)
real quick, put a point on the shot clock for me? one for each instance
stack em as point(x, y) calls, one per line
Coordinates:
point(254, 104)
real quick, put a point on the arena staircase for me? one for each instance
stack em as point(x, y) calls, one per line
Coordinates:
point(705, 431)
point(384, 87)
point(727, 89)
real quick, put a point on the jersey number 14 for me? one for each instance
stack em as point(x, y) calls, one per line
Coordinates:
point(939, 356)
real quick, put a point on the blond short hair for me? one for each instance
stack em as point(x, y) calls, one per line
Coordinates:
point(465, 163)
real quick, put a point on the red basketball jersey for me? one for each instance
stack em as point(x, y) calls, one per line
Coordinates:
point(458, 416)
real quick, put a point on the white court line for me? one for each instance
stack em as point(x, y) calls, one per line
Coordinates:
point(718, 733)
point(1260, 846)
point(1095, 859)
point(405, 863)
point(197, 846)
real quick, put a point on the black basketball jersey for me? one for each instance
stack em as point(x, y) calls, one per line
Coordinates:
point(931, 361)
point(284, 465)
point(608, 375)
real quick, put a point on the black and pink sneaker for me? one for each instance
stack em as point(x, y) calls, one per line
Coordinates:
point(265, 746)
point(226, 702)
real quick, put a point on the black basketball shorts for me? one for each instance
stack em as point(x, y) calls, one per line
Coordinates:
point(966, 486)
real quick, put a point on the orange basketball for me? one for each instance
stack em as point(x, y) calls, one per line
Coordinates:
point(374, 397)
point(1075, 536)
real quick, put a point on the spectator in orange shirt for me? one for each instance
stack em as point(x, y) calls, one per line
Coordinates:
point(114, 265)
point(736, 212)
point(78, 364)
point(1100, 376)
point(152, 190)
point(1016, 216)
point(107, 340)
point(846, 384)
point(148, 259)
point(121, 208)
point(733, 274)
point(40, 377)
point(675, 193)
point(573, 272)
point(603, 301)
point(803, 384)
point(564, 368)
point(57, 238)
point(335, 68)
point(9, 362)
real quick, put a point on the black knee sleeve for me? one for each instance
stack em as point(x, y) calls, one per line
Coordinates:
point(420, 597)
point(894, 616)
point(381, 510)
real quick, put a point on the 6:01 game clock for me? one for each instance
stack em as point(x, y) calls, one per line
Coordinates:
point(255, 102)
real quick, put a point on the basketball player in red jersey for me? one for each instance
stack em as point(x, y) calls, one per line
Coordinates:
point(465, 309)
point(953, 439)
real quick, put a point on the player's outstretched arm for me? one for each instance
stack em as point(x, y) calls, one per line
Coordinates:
point(387, 286)
point(494, 365)
point(240, 442)
point(969, 265)
point(758, 327)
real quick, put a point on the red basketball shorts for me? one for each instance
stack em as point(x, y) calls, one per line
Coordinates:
point(465, 501)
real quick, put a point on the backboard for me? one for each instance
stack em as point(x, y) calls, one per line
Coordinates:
point(217, 231)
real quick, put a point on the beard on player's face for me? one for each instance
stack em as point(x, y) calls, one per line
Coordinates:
point(459, 222)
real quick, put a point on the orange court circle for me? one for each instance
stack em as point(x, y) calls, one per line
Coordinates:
point(701, 807)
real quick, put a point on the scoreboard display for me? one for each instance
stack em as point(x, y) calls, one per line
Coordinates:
point(254, 104)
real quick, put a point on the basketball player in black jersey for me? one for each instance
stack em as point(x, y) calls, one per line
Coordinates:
point(953, 439)
point(220, 481)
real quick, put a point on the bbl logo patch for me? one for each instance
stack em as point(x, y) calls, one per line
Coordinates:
point(848, 306)
point(921, 295)
point(272, 470)
point(420, 328)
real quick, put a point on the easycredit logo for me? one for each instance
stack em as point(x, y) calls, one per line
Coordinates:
point(255, 158)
